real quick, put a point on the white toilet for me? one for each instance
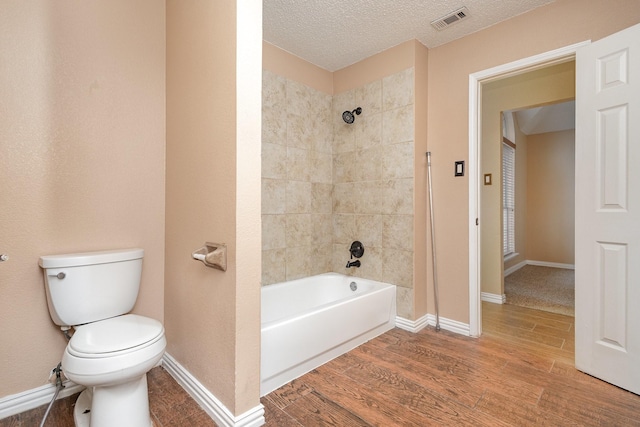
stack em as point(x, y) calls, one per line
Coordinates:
point(110, 351)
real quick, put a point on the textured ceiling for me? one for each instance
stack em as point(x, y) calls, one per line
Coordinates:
point(333, 34)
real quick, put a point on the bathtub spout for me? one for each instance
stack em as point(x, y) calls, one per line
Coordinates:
point(355, 263)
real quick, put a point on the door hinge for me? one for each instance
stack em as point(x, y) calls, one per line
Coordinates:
point(476, 221)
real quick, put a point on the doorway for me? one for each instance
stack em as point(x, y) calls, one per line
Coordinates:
point(478, 252)
point(538, 206)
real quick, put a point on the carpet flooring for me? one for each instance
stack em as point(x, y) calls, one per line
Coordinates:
point(542, 288)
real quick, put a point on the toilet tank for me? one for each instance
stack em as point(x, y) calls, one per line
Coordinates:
point(91, 286)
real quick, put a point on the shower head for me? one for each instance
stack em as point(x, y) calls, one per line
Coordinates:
point(348, 116)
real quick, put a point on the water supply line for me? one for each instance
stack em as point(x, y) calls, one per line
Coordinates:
point(433, 242)
point(59, 386)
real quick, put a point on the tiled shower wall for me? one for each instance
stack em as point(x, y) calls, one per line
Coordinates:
point(326, 183)
point(296, 180)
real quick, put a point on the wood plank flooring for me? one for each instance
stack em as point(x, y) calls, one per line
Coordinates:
point(520, 372)
point(169, 405)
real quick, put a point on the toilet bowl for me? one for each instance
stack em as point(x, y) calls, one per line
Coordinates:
point(112, 357)
point(110, 351)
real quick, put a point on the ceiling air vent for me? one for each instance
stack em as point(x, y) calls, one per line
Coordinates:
point(450, 19)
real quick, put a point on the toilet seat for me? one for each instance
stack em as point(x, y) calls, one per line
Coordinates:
point(113, 351)
point(115, 336)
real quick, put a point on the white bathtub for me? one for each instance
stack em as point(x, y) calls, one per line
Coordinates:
point(307, 322)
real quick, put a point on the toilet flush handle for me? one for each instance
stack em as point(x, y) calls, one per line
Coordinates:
point(60, 275)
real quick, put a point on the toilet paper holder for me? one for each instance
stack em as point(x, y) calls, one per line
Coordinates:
point(212, 255)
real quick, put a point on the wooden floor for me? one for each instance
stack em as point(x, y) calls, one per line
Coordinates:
point(520, 372)
point(169, 405)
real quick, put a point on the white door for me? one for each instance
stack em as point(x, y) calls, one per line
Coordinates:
point(607, 223)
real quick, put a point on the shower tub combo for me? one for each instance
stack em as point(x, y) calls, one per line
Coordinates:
point(307, 322)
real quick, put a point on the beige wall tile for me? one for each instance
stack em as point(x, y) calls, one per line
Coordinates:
point(343, 182)
point(345, 101)
point(274, 161)
point(274, 232)
point(369, 97)
point(298, 197)
point(299, 132)
point(369, 230)
point(344, 228)
point(321, 257)
point(344, 167)
point(397, 267)
point(343, 134)
point(274, 126)
point(274, 196)
point(398, 89)
point(273, 91)
point(344, 198)
point(367, 197)
point(273, 266)
point(368, 131)
point(299, 98)
point(344, 137)
point(398, 125)
point(370, 264)
point(404, 302)
point(397, 197)
point(298, 261)
point(397, 232)
point(368, 164)
point(298, 164)
point(299, 230)
point(321, 229)
point(398, 160)
point(274, 108)
point(321, 195)
point(320, 167)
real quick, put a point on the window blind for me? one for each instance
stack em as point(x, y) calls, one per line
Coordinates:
point(508, 199)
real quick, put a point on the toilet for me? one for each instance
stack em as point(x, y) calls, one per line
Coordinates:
point(110, 351)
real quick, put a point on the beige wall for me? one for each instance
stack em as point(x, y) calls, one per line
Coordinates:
point(290, 66)
point(550, 197)
point(391, 61)
point(545, 85)
point(213, 194)
point(82, 131)
point(565, 22)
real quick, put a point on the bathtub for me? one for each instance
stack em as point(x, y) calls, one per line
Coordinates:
point(307, 322)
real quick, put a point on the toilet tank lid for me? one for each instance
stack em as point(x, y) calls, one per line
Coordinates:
point(90, 258)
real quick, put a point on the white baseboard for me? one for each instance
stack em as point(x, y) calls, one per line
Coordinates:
point(430, 320)
point(521, 264)
point(514, 268)
point(31, 399)
point(412, 325)
point(212, 406)
point(551, 264)
point(493, 298)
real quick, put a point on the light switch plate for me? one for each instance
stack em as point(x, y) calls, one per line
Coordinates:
point(459, 171)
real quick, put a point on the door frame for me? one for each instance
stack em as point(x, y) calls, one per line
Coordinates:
point(510, 69)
